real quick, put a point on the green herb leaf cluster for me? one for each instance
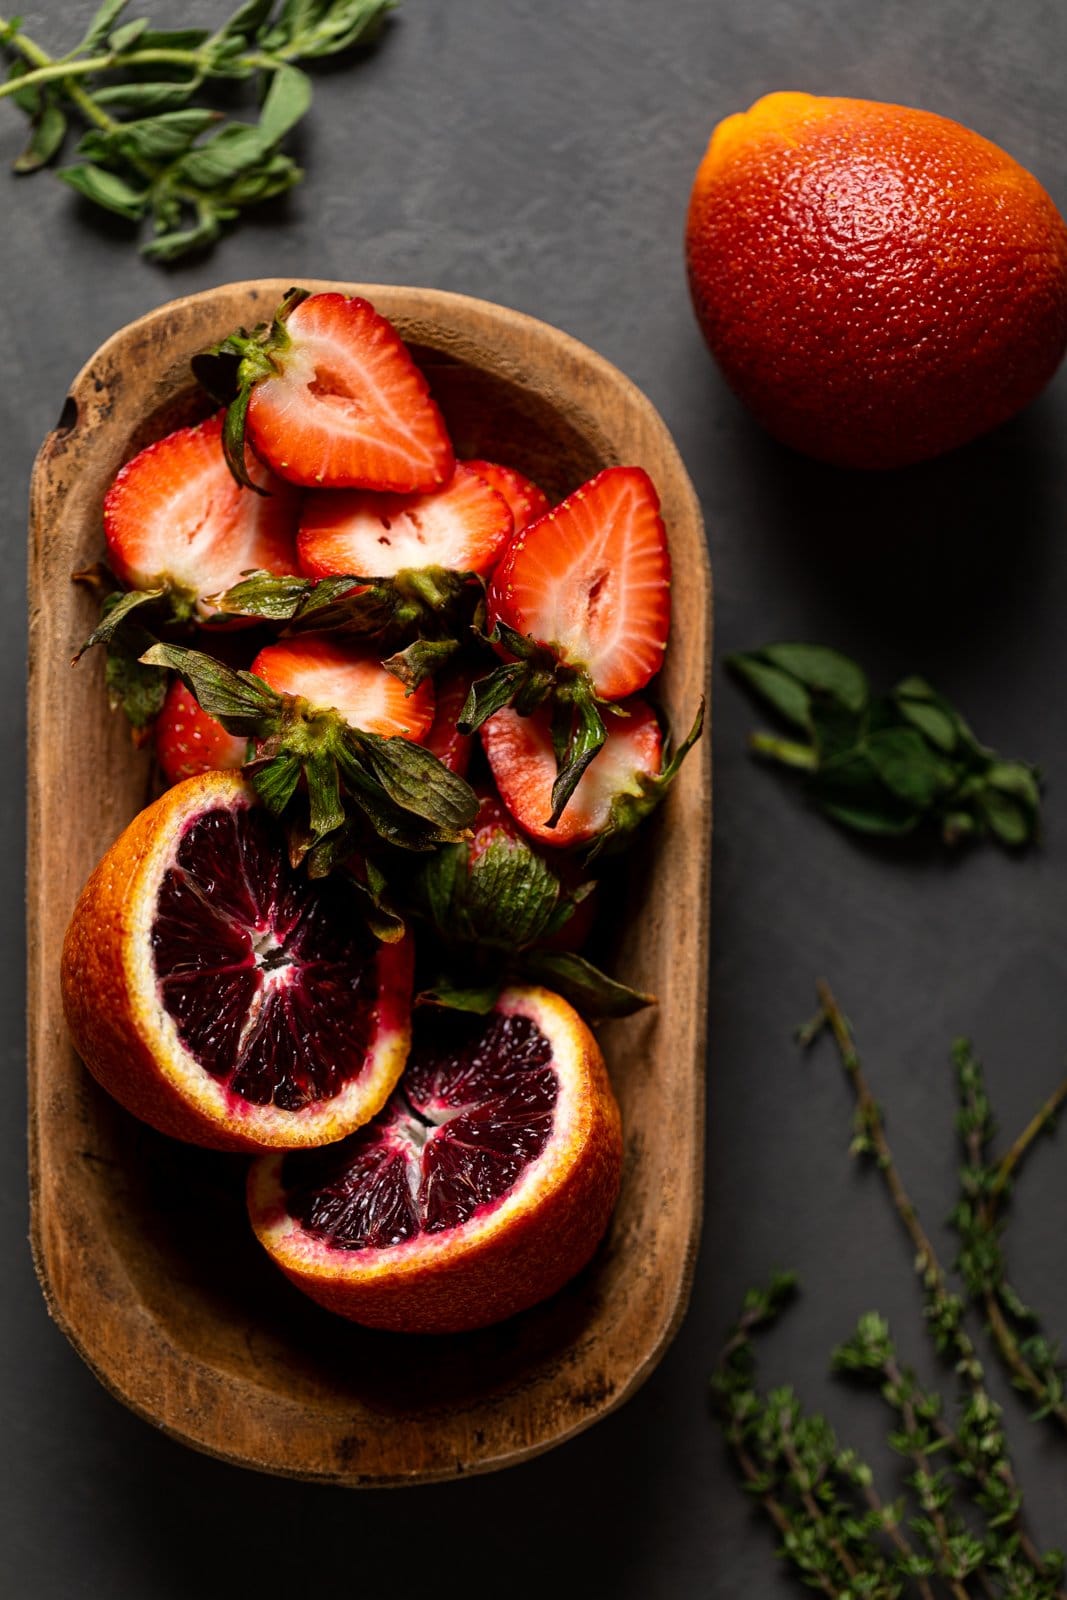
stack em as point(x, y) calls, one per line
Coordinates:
point(496, 911)
point(397, 789)
point(885, 764)
point(959, 1527)
point(156, 148)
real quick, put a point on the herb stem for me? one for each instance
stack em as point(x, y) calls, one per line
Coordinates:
point(808, 1500)
point(1037, 1125)
point(48, 70)
point(788, 752)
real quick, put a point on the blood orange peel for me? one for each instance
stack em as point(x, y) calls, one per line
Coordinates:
point(482, 1188)
point(219, 995)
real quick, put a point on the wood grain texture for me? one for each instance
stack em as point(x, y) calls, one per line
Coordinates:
point(141, 1244)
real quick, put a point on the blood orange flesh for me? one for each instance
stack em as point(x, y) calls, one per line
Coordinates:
point(484, 1184)
point(268, 978)
point(474, 1108)
point(221, 995)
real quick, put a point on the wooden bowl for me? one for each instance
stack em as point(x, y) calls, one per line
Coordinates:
point(142, 1245)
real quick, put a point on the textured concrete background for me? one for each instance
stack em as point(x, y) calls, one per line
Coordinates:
point(539, 152)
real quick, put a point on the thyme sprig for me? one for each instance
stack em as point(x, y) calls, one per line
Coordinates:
point(1032, 1360)
point(959, 1529)
point(154, 148)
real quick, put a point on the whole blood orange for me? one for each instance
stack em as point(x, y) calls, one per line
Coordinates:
point(484, 1185)
point(220, 995)
point(878, 284)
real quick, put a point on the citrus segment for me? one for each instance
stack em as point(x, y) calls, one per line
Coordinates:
point(481, 1188)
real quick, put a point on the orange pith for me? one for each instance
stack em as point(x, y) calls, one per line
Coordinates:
point(132, 1043)
point(507, 1255)
point(879, 284)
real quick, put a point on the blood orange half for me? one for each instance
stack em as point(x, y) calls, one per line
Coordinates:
point(220, 995)
point(482, 1187)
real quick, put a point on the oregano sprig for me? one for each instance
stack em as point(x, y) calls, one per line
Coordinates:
point(885, 764)
point(155, 148)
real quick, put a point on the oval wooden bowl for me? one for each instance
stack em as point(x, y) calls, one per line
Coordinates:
point(142, 1245)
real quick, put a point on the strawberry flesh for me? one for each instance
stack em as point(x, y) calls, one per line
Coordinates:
point(188, 742)
point(523, 764)
point(352, 682)
point(174, 518)
point(525, 500)
point(591, 581)
point(462, 527)
point(444, 740)
point(346, 407)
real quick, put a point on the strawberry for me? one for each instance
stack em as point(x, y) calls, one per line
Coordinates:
point(505, 910)
point(328, 396)
point(625, 783)
point(335, 748)
point(350, 681)
point(461, 528)
point(452, 748)
point(526, 501)
point(188, 742)
point(175, 519)
point(591, 581)
point(495, 825)
point(581, 601)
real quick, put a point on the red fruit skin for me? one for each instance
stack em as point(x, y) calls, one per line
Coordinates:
point(96, 1001)
point(526, 500)
point(189, 742)
point(444, 740)
point(542, 1250)
point(222, 529)
point(590, 581)
point(878, 284)
point(337, 344)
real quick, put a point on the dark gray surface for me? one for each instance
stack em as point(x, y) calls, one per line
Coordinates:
point(539, 152)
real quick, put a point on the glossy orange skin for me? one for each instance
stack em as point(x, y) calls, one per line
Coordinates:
point(878, 284)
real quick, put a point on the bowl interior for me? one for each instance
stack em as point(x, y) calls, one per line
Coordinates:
point(153, 1235)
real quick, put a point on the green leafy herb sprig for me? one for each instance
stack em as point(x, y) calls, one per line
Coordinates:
point(153, 150)
point(886, 764)
point(959, 1528)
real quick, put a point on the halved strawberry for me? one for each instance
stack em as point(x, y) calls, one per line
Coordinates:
point(330, 398)
point(452, 748)
point(581, 602)
point(335, 747)
point(175, 519)
point(189, 742)
point(462, 528)
point(625, 783)
point(591, 582)
point(526, 501)
point(353, 682)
